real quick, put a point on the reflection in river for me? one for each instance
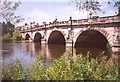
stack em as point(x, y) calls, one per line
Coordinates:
point(28, 51)
point(93, 53)
point(56, 50)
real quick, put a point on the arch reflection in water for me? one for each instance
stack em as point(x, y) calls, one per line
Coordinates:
point(51, 52)
point(28, 48)
point(56, 50)
point(37, 47)
point(94, 53)
point(48, 52)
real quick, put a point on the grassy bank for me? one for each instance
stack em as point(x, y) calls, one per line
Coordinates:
point(64, 68)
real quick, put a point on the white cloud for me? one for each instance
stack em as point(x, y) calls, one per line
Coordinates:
point(62, 14)
point(37, 15)
point(80, 15)
point(45, 0)
point(60, 0)
point(65, 13)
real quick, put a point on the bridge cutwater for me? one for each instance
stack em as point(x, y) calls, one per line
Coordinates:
point(96, 32)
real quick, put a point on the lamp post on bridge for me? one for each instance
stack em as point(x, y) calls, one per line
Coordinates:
point(90, 15)
point(37, 25)
point(71, 33)
point(45, 32)
point(45, 36)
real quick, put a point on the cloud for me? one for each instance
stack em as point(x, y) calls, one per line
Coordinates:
point(65, 13)
point(62, 14)
point(81, 15)
point(45, 0)
point(62, 11)
point(37, 15)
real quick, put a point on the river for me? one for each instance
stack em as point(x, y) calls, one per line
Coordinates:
point(27, 52)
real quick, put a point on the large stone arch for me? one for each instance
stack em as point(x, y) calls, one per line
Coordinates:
point(56, 37)
point(92, 38)
point(37, 37)
point(98, 47)
point(101, 30)
point(27, 36)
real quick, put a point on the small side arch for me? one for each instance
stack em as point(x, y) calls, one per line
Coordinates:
point(37, 37)
point(27, 36)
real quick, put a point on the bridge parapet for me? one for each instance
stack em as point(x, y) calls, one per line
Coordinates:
point(98, 20)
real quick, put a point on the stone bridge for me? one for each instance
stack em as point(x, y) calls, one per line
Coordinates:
point(94, 32)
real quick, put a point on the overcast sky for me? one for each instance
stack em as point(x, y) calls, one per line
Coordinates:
point(47, 10)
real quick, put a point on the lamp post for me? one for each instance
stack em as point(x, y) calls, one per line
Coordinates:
point(71, 32)
point(36, 26)
point(45, 32)
point(90, 14)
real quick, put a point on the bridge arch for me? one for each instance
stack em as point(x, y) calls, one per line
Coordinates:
point(37, 37)
point(56, 37)
point(27, 36)
point(92, 39)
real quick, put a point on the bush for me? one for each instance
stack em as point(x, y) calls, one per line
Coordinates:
point(0, 38)
point(16, 35)
point(13, 71)
point(6, 37)
point(66, 68)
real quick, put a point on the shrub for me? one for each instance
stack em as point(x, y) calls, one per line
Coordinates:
point(0, 38)
point(13, 71)
point(66, 68)
point(6, 37)
point(16, 35)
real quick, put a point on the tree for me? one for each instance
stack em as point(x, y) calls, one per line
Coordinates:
point(16, 35)
point(7, 15)
point(117, 4)
point(91, 6)
point(7, 11)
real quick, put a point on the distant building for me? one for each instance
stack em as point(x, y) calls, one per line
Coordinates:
point(7, 28)
point(0, 29)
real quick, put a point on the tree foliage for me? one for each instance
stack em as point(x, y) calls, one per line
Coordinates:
point(7, 11)
point(91, 6)
point(117, 4)
point(6, 37)
point(94, 6)
point(16, 35)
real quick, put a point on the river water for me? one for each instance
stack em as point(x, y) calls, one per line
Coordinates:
point(27, 52)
